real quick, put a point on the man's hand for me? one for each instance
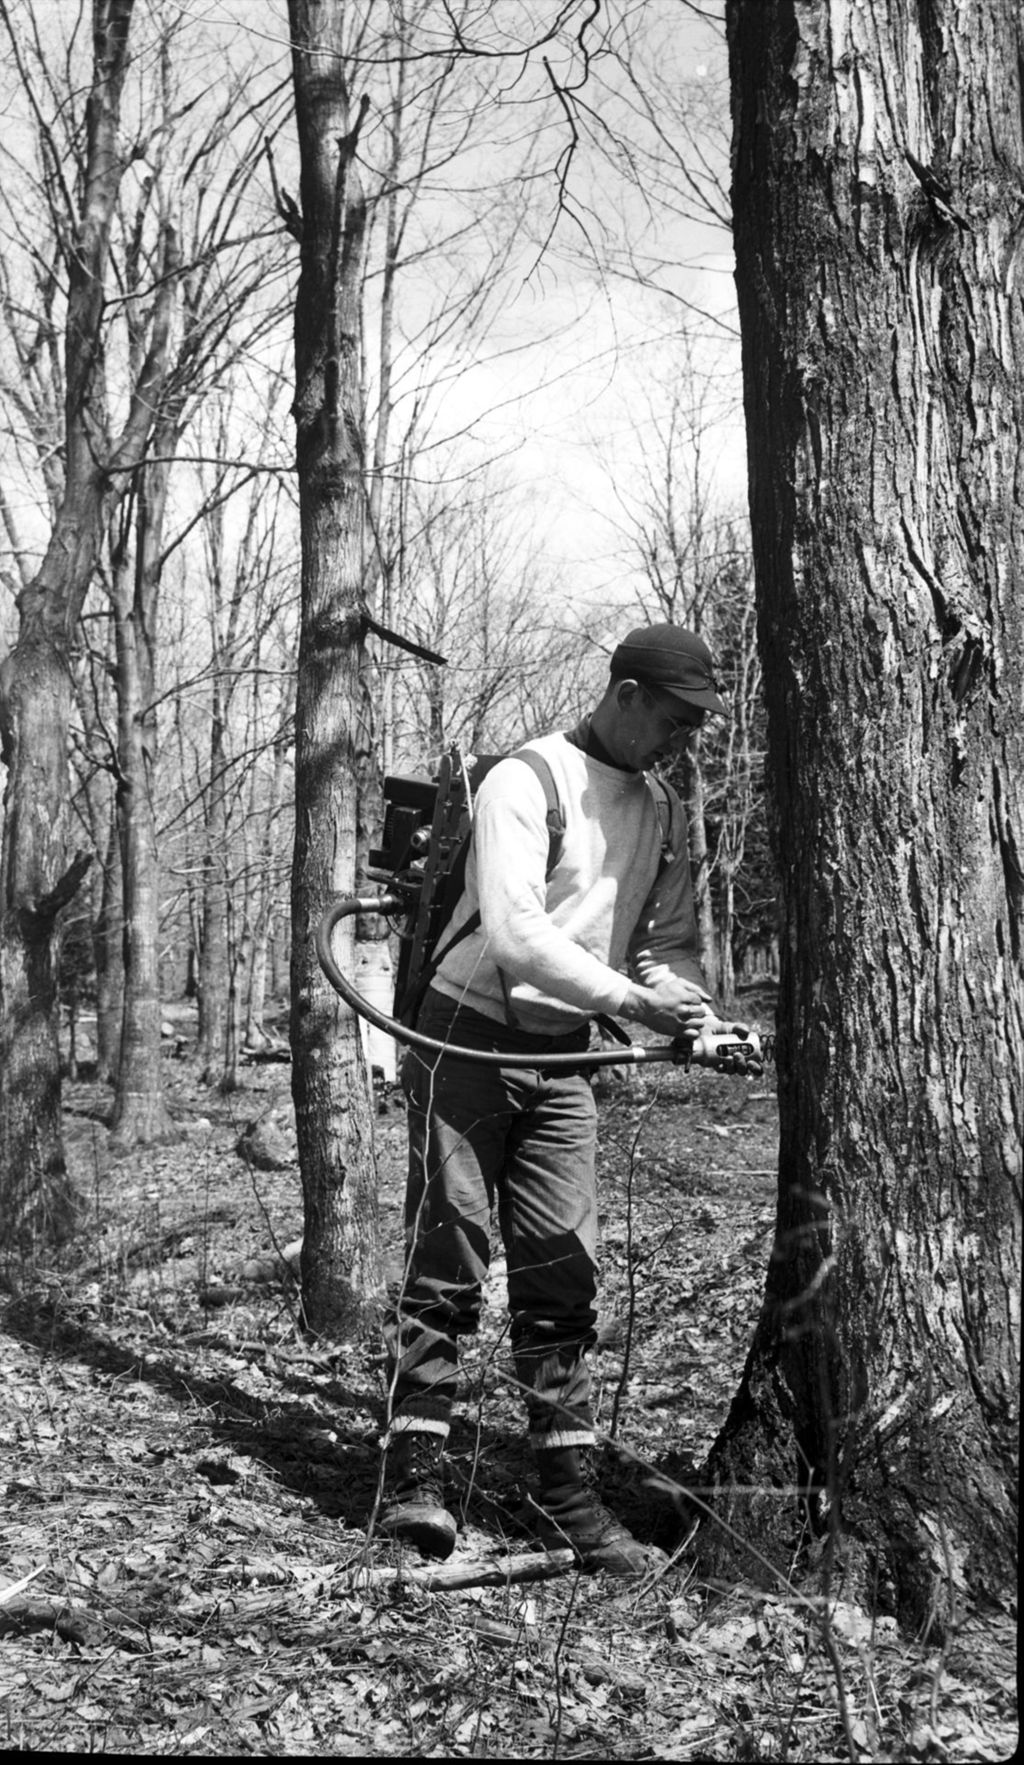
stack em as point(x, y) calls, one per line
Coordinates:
point(710, 1050)
point(671, 1006)
point(682, 1010)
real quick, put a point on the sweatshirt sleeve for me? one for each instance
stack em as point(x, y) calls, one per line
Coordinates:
point(511, 843)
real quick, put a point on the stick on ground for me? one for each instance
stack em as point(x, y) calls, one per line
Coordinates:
point(478, 1572)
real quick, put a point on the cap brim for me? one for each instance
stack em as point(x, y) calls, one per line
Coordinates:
point(704, 697)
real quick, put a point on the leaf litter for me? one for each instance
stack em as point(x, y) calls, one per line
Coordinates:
point(185, 1567)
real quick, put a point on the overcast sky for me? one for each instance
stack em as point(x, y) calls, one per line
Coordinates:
point(577, 367)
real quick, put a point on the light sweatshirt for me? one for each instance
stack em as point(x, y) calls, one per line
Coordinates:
point(563, 942)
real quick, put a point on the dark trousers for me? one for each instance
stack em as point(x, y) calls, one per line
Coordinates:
point(522, 1141)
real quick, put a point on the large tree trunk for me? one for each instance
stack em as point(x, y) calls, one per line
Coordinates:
point(37, 1200)
point(882, 341)
point(334, 1121)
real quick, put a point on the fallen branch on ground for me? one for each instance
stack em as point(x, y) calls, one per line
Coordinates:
point(477, 1572)
point(481, 1572)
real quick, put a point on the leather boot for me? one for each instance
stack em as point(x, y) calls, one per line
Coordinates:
point(573, 1516)
point(414, 1507)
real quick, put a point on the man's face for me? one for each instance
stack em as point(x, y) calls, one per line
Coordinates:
point(655, 726)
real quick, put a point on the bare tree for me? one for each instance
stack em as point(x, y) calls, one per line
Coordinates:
point(230, 301)
point(179, 222)
point(93, 736)
point(247, 547)
point(140, 1114)
point(340, 1256)
point(472, 586)
point(877, 196)
point(335, 465)
point(38, 874)
point(225, 690)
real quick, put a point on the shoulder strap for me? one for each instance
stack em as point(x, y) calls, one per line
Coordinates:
point(555, 813)
point(555, 819)
point(664, 802)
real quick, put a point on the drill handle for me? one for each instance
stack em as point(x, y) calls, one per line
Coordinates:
point(724, 1048)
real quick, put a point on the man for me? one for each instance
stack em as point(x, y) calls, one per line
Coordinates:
point(548, 956)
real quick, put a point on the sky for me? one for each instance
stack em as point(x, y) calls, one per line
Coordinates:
point(579, 365)
point(581, 432)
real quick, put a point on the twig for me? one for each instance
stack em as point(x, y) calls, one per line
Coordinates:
point(557, 1665)
point(630, 1266)
point(481, 1572)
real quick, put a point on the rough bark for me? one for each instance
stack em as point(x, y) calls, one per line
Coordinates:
point(878, 217)
point(37, 878)
point(334, 1122)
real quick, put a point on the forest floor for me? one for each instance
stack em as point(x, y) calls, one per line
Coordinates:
point(184, 1562)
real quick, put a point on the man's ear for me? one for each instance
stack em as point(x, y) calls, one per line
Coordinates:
point(627, 692)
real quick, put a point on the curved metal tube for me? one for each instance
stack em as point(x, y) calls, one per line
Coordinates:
point(346, 906)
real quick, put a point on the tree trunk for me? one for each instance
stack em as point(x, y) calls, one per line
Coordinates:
point(700, 865)
point(334, 1121)
point(236, 955)
point(140, 1115)
point(254, 1032)
point(882, 340)
point(726, 926)
point(266, 889)
point(108, 958)
point(213, 951)
point(37, 1199)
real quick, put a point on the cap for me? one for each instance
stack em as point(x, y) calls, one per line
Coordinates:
point(674, 660)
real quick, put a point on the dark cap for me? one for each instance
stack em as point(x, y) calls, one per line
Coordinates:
point(673, 660)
